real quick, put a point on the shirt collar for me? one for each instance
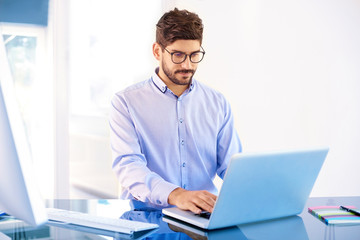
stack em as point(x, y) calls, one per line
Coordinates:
point(192, 84)
point(162, 86)
point(158, 82)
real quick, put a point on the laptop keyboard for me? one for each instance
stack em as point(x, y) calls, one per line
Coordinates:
point(204, 214)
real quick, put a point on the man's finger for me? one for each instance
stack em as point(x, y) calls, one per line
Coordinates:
point(204, 205)
point(209, 198)
point(195, 209)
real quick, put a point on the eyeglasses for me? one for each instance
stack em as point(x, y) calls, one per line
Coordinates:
point(179, 57)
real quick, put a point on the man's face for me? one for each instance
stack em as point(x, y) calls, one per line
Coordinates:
point(182, 73)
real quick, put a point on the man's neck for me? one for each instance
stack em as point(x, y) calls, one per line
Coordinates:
point(178, 90)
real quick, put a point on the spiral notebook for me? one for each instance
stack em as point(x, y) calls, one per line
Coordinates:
point(332, 215)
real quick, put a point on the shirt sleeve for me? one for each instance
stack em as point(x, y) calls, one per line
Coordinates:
point(228, 141)
point(130, 165)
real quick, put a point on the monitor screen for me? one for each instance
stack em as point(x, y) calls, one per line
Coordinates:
point(19, 195)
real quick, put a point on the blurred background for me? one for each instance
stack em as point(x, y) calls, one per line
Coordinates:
point(290, 70)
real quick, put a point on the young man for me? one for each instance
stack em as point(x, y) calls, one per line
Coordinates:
point(171, 134)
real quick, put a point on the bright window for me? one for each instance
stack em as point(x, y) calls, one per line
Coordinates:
point(110, 47)
point(26, 52)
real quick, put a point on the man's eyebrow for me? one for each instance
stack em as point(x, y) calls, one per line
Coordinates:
point(174, 50)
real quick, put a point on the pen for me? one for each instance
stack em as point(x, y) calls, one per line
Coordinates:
point(350, 210)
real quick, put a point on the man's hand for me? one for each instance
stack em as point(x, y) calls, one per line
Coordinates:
point(195, 201)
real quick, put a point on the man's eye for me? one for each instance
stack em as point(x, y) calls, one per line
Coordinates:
point(178, 54)
point(195, 54)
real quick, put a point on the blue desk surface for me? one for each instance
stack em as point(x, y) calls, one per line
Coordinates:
point(303, 226)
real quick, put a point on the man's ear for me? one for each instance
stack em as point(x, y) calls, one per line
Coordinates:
point(157, 51)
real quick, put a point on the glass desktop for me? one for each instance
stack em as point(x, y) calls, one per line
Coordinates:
point(303, 226)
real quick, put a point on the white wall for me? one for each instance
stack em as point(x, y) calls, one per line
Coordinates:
point(291, 71)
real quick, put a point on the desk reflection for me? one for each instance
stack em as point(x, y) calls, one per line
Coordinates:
point(170, 228)
point(282, 228)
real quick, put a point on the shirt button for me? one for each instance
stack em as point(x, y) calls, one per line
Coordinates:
point(184, 164)
point(184, 186)
point(181, 120)
point(182, 142)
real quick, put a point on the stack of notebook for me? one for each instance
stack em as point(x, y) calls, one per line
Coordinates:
point(334, 215)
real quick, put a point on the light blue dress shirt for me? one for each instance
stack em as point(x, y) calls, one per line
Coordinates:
point(160, 141)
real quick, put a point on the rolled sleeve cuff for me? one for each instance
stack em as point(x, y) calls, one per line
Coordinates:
point(161, 192)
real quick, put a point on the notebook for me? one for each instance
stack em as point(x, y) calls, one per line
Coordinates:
point(334, 215)
point(260, 186)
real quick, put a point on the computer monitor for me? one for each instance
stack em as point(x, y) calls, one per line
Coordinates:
point(19, 195)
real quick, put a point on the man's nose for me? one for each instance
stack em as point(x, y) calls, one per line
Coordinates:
point(187, 63)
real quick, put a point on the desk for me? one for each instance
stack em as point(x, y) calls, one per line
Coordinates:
point(304, 226)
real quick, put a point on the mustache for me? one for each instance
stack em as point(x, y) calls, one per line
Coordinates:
point(185, 71)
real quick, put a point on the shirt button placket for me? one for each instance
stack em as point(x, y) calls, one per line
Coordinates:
point(182, 138)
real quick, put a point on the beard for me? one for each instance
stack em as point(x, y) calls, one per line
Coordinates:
point(185, 80)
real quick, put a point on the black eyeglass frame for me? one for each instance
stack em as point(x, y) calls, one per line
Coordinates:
point(186, 55)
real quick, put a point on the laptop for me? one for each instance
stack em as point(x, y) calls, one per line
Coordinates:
point(198, 233)
point(283, 228)
point(260, 186)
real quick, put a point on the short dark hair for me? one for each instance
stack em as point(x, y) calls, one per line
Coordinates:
point(178, 25)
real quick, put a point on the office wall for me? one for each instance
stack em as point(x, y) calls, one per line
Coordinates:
point(290, 70)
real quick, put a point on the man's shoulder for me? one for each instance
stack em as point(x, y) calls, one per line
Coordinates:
point(209, 91)
point(134, 88)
